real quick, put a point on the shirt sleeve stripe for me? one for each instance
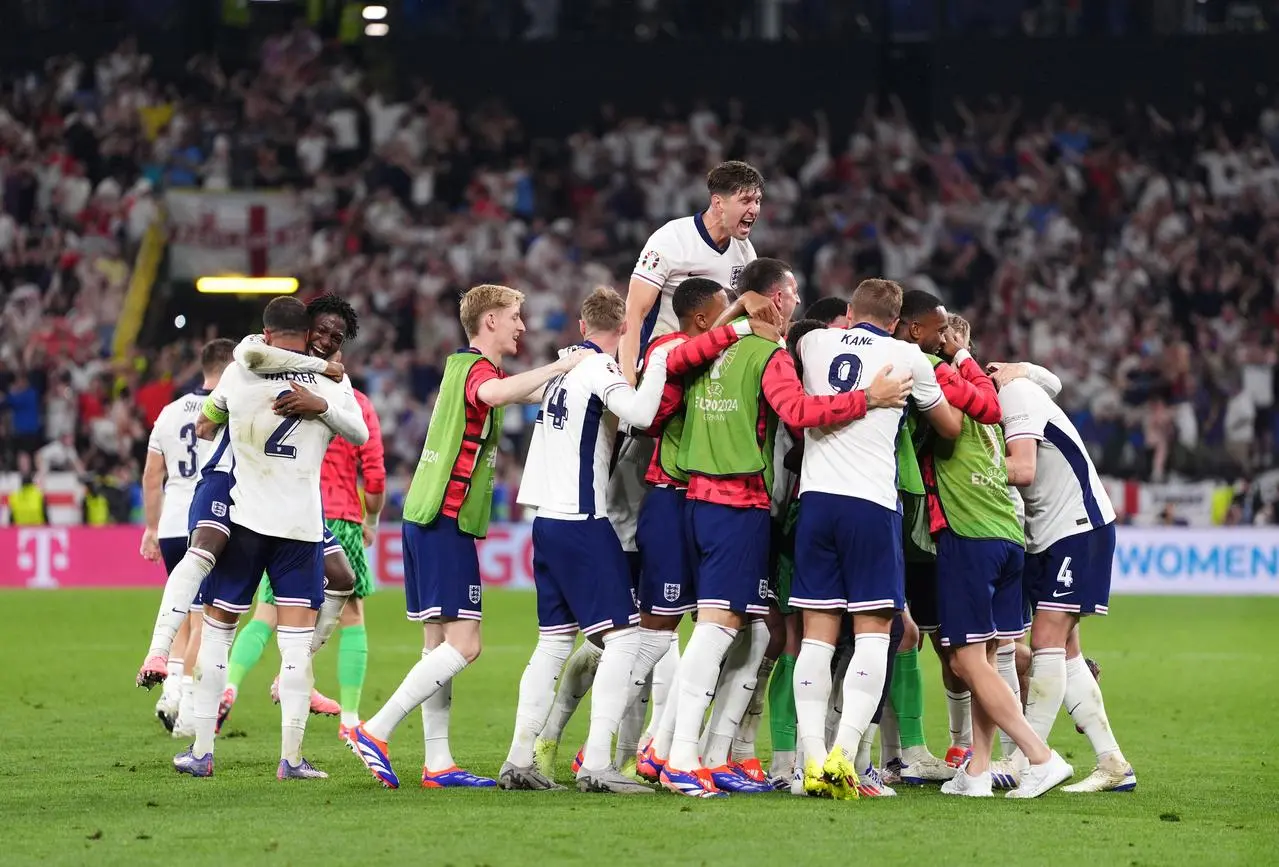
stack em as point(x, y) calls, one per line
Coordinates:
point(1021, 436)
point(646, 279)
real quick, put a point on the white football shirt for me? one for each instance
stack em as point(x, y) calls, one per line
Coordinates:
point(1067, 497)
point(567, 470)
point(681, 249)
point(173, 438)
point(859, 459)
point(275, 488)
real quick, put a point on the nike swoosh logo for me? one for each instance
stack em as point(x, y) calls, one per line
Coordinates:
point(1071, 711)
point(710, 695)
point(1057, 595)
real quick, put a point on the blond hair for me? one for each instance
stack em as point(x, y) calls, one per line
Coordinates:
point(960, 326)
point(878, 301)
point(603, 310)
point(482, 299)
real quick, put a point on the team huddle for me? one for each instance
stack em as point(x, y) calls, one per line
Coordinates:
point(817, 494)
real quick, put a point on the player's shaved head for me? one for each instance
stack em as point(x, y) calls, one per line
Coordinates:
point(826, 311)
point(286, 316)
point(216, 355)
point(923, 321)
point(603, 310)
point(692, 294)
point(485, 298)
point(732, 177)
point(878, 302)
point(917, 303)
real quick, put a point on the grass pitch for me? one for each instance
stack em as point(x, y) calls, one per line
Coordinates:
point(1192, 689)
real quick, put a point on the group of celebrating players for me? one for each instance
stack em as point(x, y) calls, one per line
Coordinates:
point(816, 494)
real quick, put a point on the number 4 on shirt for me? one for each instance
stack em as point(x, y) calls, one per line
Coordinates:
point(557, 408)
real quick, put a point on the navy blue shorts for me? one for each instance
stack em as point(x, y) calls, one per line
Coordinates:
point(848, 555)
point(294, 569)
point(441, 571)
point(978, 589)
point(730, 549)
point(211, 503)
point(921, 594)
point(666, 578)
point(582, 577)
point(331, 543)
point(1073, 575)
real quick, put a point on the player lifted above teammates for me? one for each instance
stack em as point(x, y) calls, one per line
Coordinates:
point(277, 462)
point(1070, 545)
point(168, 484)
point(446, 510)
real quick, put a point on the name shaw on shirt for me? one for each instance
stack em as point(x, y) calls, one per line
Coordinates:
point(293, 376)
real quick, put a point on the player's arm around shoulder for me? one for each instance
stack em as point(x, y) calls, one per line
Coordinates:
point(635, 406)
point(259, 357)
point(499, 390)
point(946, 419)
point(1026, 411)
point(342, 413)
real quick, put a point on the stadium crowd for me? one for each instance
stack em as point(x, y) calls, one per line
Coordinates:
point(1135, 256)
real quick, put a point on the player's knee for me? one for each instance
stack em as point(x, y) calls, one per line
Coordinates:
point(338, 576)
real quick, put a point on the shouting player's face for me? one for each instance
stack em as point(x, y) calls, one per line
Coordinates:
point(507, 326)
point(740, 211)
point(328, 333)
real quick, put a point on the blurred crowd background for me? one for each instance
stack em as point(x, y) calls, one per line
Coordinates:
point(1136, 254)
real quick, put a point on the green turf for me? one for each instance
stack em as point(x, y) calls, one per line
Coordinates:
point(85, 774)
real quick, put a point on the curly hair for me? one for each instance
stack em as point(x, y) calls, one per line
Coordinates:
point(332, 303)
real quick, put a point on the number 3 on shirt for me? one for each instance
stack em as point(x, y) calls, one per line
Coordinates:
point(845, 372)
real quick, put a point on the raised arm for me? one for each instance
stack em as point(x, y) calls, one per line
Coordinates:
point(637, 406)
point(256, 355)
point(641, 294)
point(702, 350)
point(969, 389)
point(500, 391)
point(1005, 372)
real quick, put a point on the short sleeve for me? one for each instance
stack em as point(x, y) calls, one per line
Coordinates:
point(481, 372)
point(658, 258)
point(926, 391)
point(155, 441)
point(1025, 409)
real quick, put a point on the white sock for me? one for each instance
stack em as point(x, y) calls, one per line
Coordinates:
point(654, 644)
point(575, 682)
point(173, 682)
point(863, 687)
point(1047, 689)
point(744, 741)
point(435, 728)
point(1086, 708)
point(737, 689)
point(663, 678)
point(608, 694)
point(326, 620)
point(179, 591)
point(812, 695)
point(664, 729)
point(537, 692)
point(698, 674)
point(835, 704)
point(890, 745)
point(959, 707)
point(862, 762)
point(432, 672)
point(296, 680)
point(1006, 664)
point(215, 649)
point(186, 704)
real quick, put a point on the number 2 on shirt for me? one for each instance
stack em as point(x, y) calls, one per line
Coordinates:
point(275, 446)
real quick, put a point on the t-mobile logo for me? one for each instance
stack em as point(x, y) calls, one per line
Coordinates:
point(42, 551)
